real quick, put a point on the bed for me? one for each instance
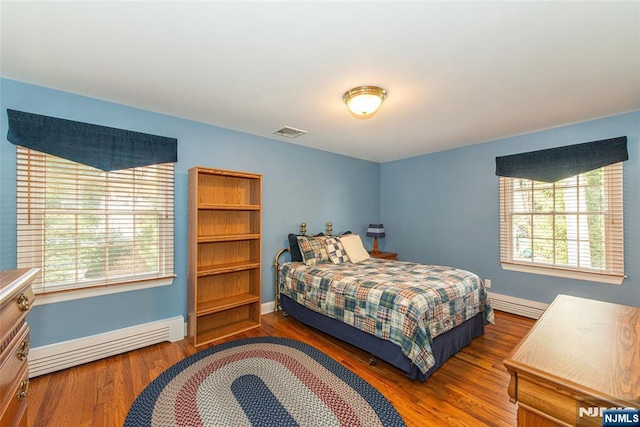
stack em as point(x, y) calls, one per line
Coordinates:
point(413, 316)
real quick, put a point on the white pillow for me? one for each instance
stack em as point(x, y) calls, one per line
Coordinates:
point(353, 246)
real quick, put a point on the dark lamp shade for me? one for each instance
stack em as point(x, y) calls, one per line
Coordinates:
point(375, 230)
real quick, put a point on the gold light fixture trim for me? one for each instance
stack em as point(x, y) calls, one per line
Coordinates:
point(364, 101)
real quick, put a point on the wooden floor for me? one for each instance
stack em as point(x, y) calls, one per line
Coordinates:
point(470, 389)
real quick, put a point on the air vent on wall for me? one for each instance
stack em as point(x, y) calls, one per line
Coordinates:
point(289, 132)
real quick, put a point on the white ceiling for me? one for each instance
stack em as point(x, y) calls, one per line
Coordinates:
point(457, 73)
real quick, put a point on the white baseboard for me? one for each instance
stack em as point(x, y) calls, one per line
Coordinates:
point(519, 306)
point(54, 357)
point(267, 307)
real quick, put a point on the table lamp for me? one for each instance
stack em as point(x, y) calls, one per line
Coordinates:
point(375, 231)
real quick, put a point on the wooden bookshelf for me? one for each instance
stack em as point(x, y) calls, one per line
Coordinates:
point(224, 253)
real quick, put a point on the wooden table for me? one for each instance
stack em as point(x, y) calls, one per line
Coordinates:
point(581, 355)
point(384, 255)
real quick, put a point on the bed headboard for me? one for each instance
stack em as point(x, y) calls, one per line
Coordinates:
point(329, 229)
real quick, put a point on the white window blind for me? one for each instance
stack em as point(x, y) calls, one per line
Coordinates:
point(574, 225)
point(86, 228)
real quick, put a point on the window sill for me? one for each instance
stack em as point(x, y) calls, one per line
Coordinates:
point(55, 297)
point(567, 274)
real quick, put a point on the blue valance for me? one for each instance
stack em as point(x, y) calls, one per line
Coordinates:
point(559, 163)
point(102, 147)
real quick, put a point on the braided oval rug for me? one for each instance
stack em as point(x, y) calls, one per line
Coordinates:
point(262, 381)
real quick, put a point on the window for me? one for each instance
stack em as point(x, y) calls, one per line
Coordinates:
point(569, 228)
point(85, 228)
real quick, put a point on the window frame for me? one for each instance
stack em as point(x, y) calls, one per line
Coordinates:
point(614, 215)
point(31, 166)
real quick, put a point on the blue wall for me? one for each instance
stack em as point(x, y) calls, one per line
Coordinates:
point(440, 208)
point(443, 209)
point(299, 185)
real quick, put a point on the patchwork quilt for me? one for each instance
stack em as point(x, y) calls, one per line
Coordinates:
point(409, 304)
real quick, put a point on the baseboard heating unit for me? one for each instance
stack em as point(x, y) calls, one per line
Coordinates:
point(519, 306)
point(54, 357)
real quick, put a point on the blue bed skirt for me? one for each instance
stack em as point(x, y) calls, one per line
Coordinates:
point(443, 346)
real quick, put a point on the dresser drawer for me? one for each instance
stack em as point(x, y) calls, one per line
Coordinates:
point(15, 309)
point(15, 413)
point(14, 369)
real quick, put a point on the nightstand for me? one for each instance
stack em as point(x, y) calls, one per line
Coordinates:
point(384, 255)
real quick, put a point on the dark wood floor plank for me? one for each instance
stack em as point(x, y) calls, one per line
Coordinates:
point(469, 390)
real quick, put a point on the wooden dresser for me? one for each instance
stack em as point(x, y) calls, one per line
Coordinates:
point(16, 297)
point(580, 356)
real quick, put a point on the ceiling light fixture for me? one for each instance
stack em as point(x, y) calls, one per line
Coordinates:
point(364, 101)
